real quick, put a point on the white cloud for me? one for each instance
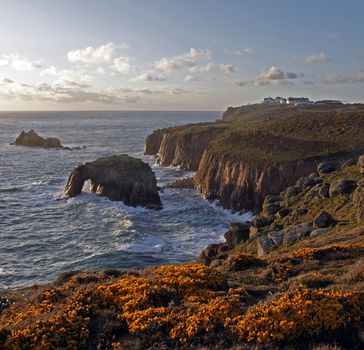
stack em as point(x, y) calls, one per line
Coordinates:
point(228, 68)
point(167, 64)
point(77, 74)
point(147, 76)
point(18, 63)
point(191, 78)
point(274, 75)
point(316, 58)
point(103, 53)
point(123, 64)
point(202, 69)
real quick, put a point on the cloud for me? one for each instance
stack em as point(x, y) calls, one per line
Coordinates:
point(239, 82)
point(334, 35)
point(168, 64)
point(103, 53)
point(355, 77)
point(238, 52)
point(123, 64)
point(316, 58)
point(228, 68)
point(273, 76)
point(149, 77)
point(202, 69)
point(18, 63)
point(77, 74)
point(191, 78)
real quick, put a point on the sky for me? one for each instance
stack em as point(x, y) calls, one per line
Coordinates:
point(177, 54)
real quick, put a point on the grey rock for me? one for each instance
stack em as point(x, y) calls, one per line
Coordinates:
point(324, 190)
point(233, 237)
point(318, 180)
point(323, 220)
point(312, 193)
point(293, 233)
point(264, 245)
point(313, 175)
point(276, 237)
point(283, 212)
point(271, 199)
point(211, 252)
point(272, 208)
point(325, 168)
point(341, 186)
point(318, 232)
point(304, 182)
point(291, 192)
point(260, 222)
point(240, 226)
point(275, 226)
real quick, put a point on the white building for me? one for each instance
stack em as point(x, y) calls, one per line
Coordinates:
point(274, 101)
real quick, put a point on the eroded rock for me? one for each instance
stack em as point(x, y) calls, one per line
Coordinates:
point(120, 178)
point(264, 245)
point(323, 220)
point(341, 187)
point(32, 139)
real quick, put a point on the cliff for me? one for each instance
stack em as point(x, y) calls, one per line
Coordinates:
point(182, 146)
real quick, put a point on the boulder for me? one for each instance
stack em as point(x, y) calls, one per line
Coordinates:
point(233, 237)
point(239, 226)
point(318, 232)
point(323, 220)
point(32, 139)
point(276, 237)
point(312, 193)
point(313, 175)
point(264, 245)
point(304, 182)
point(271, 208)
point(275, 226)
point(260, 222)
point(293, 233)
point(282, 213)
point(325, 168)
point(120, 178)
point(271, 199)
point(341, 186)
point(324, 191)
point(291, 192)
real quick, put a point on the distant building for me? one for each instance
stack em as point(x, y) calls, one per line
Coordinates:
point(274, 101)
point(298, 101)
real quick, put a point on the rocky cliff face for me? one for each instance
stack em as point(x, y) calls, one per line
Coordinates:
point(178, 147)
point(243, 184)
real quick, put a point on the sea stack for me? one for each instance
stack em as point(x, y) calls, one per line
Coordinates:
point(32, 139)
point(119, 178)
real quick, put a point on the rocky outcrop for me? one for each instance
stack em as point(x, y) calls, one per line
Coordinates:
point(120, 178)
point(181, 146)
point(243, 184)
point(32, 139)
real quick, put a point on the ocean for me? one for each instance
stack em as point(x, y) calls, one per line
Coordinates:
point(43, 234)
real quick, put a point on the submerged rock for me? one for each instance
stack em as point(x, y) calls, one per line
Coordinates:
point(32, 139)
point(120, 178)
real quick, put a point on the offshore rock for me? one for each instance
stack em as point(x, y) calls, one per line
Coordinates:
point(32, 139)
point(120, 178)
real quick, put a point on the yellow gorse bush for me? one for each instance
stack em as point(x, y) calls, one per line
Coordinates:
point(299, 312)
point(178, 302)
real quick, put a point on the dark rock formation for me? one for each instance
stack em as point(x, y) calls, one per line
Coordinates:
point(264, 245)
point(238, 232)
point(341, 186)
point(323, 220)
point(32, 139)
point(326, 168)
point(211, 252)
point(120, 178)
